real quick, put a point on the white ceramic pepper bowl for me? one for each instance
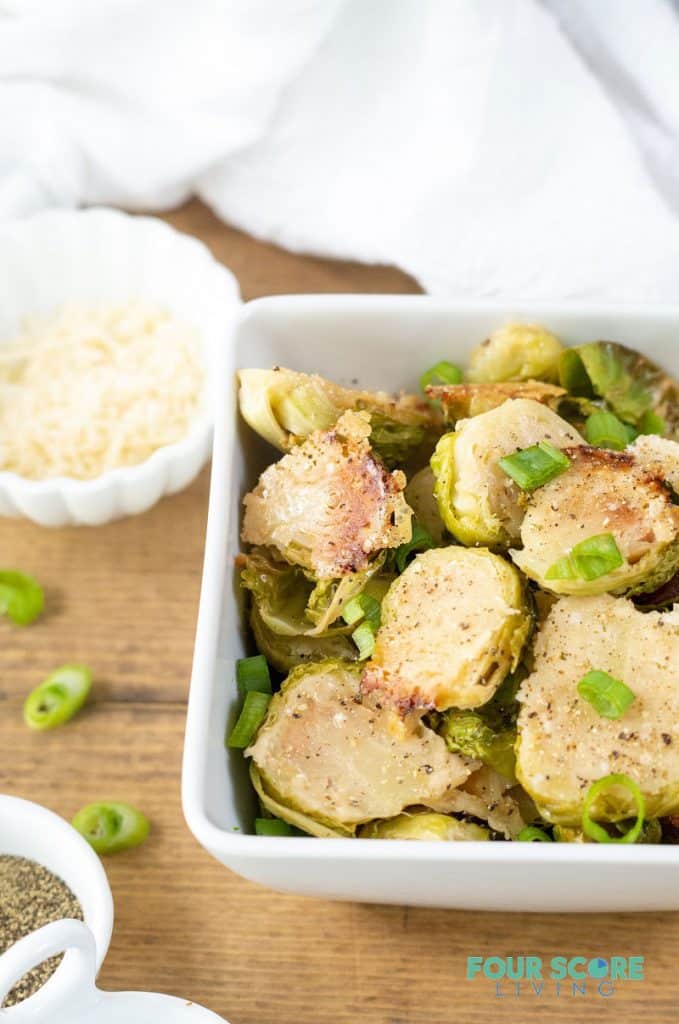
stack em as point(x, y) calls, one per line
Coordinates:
point(106, 256)
point(28, 830)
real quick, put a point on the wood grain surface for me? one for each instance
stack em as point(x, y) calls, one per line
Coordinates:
point(123, 598)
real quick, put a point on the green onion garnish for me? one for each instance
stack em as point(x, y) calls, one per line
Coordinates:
point(421, 540)
point(363, 606)
point(588, 560)
point(364, 638)
point(58, 698)
point(251, 717)
point(595, 831)
point(652, 423)
point(604, 430)
point(535, 466)
point(272, 827)
point(252, 675)
point(532, 834)
point(441, 373)
point(21, 597)
point(608, 696)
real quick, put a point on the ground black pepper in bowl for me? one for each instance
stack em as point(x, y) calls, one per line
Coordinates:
point(31, 896)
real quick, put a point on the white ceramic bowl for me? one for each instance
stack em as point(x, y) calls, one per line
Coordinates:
point(28, 830)
point(384, 342)
point(101, 255)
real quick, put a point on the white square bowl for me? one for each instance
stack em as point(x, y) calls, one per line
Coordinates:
point(381, 341)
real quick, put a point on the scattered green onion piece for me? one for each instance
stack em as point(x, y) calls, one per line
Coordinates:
point(421, 540)
point(608, 696)
point(252, 675)
point(363, 606)
point(532, 834)
point(605, 430)
point(111, 827)
point(272, 827)
point(591, 558)
point(364, 638)
point(58, 698)
point(594, 830)
point(251, 717)
point(21, 597)
point(441, 373)
point(652, 423)
point(535, 466)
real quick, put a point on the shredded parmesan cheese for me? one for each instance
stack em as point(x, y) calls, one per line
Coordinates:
point(93, 388)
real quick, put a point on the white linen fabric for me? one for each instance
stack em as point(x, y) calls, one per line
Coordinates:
point(511, 149)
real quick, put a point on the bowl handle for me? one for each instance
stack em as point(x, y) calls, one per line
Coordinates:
point(48, 941)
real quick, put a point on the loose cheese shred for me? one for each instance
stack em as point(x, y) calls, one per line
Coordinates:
point(93, 388)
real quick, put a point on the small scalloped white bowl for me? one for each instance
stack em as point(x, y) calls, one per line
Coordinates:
point(101, 255)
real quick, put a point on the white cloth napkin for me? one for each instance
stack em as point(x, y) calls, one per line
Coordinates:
point(493, 148)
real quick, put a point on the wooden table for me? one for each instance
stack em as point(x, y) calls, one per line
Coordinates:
point(123, 598)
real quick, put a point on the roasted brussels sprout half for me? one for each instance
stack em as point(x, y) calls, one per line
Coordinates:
point(478, 502)
point(604, 495)
point(425, 825)
point(565, 744)
point(660, 456)
point(285, 407)
point(516, 352)
point(468, 733)
point(286, 652)
point(492, 798)
point(290, 603)
point(463, 400)
point(329, 506)
point(419, 494)
point(453, 626)
point(340, 760)
point(632, 385)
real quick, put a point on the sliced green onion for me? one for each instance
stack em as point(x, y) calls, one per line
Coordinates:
point(591, 558)
point(441, 373)
point(652, 423)
point(595, 831)
point(608, 696)
point(363, 606)
point(364, 638)
point(252, 675)
point(535, 466)
point(532, 834)
point(21, 597)
point(604, 430)
point(272, 827)
point(251, 717)
point(421, 540)
point(58, 698)
point(111, 827)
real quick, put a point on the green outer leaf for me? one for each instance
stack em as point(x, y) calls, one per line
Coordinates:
point(468, 733)
point(293, 817)
point(424, 826)
point(21, 597)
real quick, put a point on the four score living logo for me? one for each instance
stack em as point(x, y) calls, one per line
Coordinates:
point(517, 976)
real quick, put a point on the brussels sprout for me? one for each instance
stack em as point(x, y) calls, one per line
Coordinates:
point(285, 407)
point(290, 604)
point(329, 506)
point(565, 745)
point(492, 798)
point(453, 625)
point(341, 760)
point(286, 652)
point(419, 494)
point(563, 834)
point(425, 825)
point(632, 385)
point(467, 732)
point(660, 456)
point(604, 494)
point(478, 502)
point(516, 352)
point(460, 400)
